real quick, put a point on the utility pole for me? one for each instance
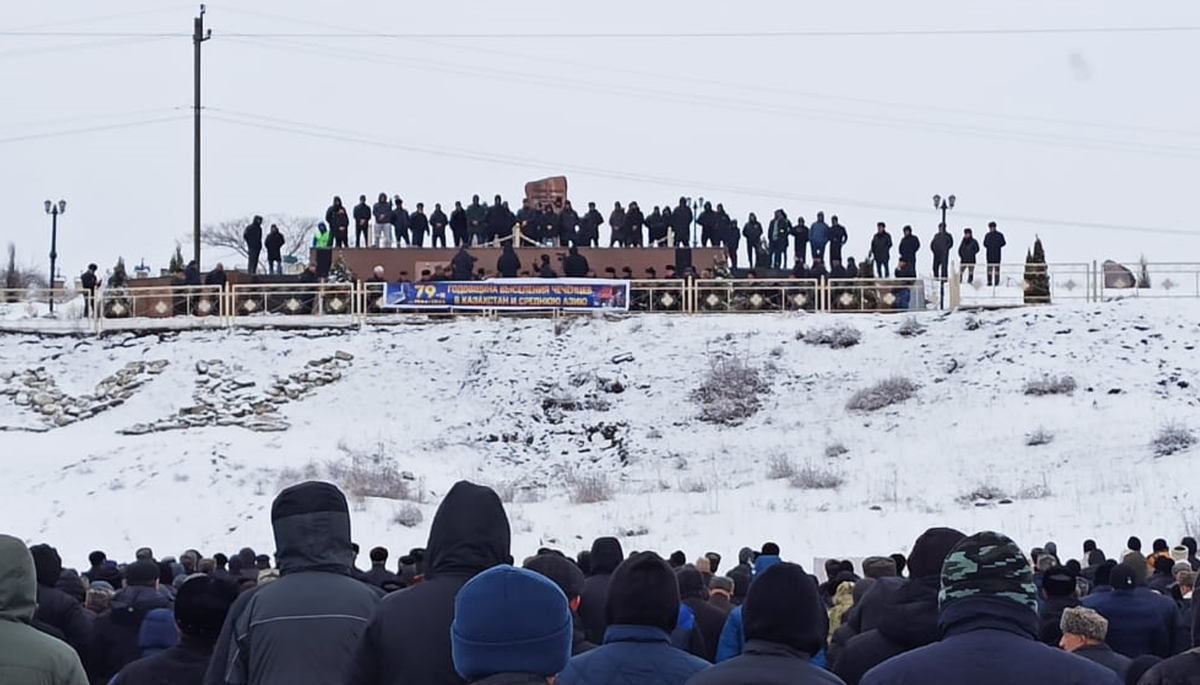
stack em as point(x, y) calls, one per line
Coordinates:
point(197, 39)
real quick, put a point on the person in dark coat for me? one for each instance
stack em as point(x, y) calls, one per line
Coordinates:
point(1181, 669)
point(1083, 631)
point(1058, 594)
point(818, 237)
point(253, 235)
point(720, 595)
point(569, 578)
point(546, 269)
point(616, 226)
point(753, 233)
point(103, 569)
point(115, 633)
point(909, 618)
point(681, 223)
point(967, 251)
point(508, 263)
point(642, 610)
point(589, 227)
point(940, 246)
point(511, 627)
point(378, 575)
point(217, 276)
point(575, 265)
point(418, 225)
point(568, 226)
point(462, 266)
point(656, 227)
point(499, 221)
point(201, 607)
point(89, 281)
point(881, 250)
point(55, 607)
point(338, 220)
point(1140, 621)
point(993, 243)
point(988, 620)
point(741, 575)
point(362, 222)
point(709, 619)
point(158, 633)
point(459, 225)
point(382, 211)
point(408, 638)
point(837, 239)
point(400, 222)
point(437, 224)
point(785, 625)
point(605, 557)
point(909, 245)
point(274, 244)
point(302, 628)
point(635, 221)
point(800, 236)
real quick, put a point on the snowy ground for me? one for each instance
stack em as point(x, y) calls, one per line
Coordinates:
point(512, 403)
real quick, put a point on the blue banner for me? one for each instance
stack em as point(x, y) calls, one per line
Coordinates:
point(571, 294)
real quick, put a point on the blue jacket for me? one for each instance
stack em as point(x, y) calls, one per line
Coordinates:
point(818, 233)
point(1139, 621)
point(632, 655)
point(988, 641)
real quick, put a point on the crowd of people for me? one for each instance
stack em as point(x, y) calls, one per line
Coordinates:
point(816, 248)
point(956, 609)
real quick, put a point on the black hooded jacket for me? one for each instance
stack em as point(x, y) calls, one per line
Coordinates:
point(909, 620)
point(709, 619)
point(302, 628)
point(606, 557)
point(55, 607)
point(785, 624)
point(408, 638)
point(115, 633)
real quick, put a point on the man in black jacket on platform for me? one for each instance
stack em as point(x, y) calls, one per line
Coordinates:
point(302, 628)
point(408, 638)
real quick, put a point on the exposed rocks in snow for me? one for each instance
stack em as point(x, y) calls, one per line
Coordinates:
point(223, 397)
point(39, 393)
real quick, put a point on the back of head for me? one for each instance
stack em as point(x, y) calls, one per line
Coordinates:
point(47, 563)
point(770, 548)
point(201, 606)
point(509, 620)
point(691, 582)
point(142, 573)
point(783, 607)
point(987, 564)
point(1134, 560)
point(18, 581)
point(643, 591)
point(1095, 557)
point(561, 571)
point(879, 567)
point(1125, 577)
point(1103, 575)
point(312, 529)
point(1084, 622)
point(379, 555)
point(606, 555)
point(470, 532)
point(1134, 543)
point(1058, 582)
point(930, 550)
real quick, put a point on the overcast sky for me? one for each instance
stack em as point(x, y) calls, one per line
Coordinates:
point(1089, 138)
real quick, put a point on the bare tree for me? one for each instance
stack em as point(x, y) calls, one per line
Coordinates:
point(17, 277)
point(297, 232)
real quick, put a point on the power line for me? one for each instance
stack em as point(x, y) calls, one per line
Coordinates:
point(75, 21)
point(72, 47)
point(41, 123)
point(341, 135)
point(832, 33)
point(91, 129)
point(862, 118)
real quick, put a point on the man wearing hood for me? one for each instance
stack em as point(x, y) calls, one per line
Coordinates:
point(115, 633)
point(642, 610)
point(910, 612)
point(200, 610)
point(987, 616)
point(575, 265)
point(302, 628)
point(741, 575)
point(709, 619)
point(28, 656)
point(605, 557)
point(733, 635)
point(785, 626)
point(408, 638)
point(508, 263)
point(55, 607)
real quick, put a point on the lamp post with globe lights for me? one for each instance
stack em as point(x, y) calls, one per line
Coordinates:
point(945, 205)
point(54, 210)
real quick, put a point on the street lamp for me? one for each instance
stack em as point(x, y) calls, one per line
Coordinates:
point(944, 205)
point(54, 210)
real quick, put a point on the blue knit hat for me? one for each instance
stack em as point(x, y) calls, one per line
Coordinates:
point(509, 620)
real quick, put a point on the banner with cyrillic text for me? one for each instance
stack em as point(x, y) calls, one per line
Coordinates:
point(571, 294)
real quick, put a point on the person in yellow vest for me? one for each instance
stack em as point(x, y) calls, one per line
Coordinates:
point(323, 238)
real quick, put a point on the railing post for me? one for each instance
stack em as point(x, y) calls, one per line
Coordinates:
point(955, 286)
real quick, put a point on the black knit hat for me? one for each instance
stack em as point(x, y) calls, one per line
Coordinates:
point(1058, 582)
point(930, 550)
point(783, 607)
point(643, 591)
point(565, 574)
point(691, 582)
point(1123, 577)
point(144, 572)
point(202, 604)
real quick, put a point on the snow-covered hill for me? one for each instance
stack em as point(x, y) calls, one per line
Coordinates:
point(548, 416)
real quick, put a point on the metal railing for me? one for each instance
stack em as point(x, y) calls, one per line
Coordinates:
point(290, 304)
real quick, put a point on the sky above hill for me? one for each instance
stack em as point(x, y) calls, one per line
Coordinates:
point(1069, 120)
